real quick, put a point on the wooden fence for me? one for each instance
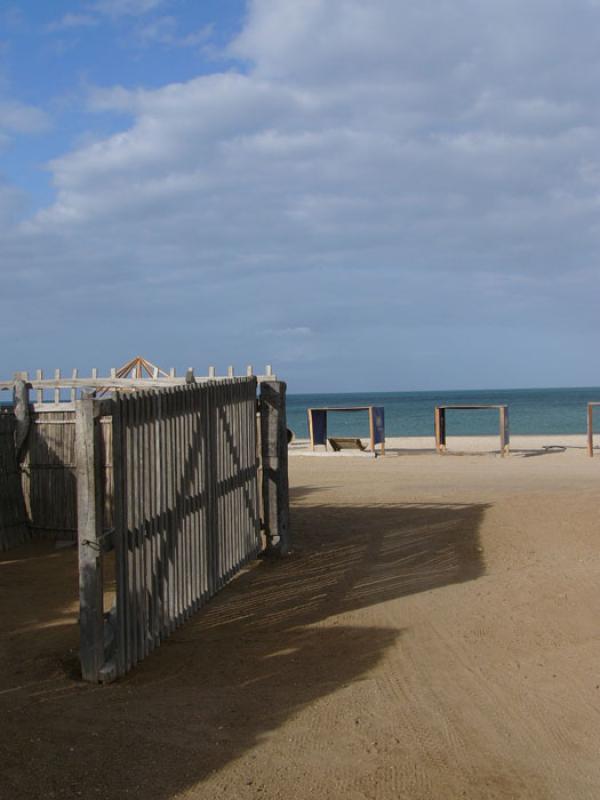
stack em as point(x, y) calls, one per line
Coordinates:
point(186, 512)
point(179, 481)
point(48, 461)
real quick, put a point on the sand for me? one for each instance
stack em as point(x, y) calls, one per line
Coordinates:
point(436, 634)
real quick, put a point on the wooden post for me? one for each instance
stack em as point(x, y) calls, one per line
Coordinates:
point(504, 431)
point(371, 429)
point(590, 430)
point(22, 416)
point(440, 429)
point(274, 456)
point(89, 532)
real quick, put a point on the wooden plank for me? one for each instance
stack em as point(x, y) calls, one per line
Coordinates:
point(590, 430)
point(184, 492)
point(161, 499)
point(39, 394)
point(179, 531)
point(89, 524)
point(145, 561)
point(504, 431)
point(274, 449)
point(195, 494)
point(137, 585)
point(149, 592)
point(120, 535)
point(22, 415)
point(171, 513)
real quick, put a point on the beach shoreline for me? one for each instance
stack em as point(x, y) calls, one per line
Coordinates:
point(398, 445)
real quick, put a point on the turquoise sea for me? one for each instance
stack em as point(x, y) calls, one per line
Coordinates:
point(531, 411)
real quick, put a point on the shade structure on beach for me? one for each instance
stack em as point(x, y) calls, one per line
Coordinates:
point(317, 424)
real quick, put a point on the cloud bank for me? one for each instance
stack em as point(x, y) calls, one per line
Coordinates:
point(381, 195)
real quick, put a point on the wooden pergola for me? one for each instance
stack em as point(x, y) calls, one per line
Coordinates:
point(440, 424)
point(317, 424)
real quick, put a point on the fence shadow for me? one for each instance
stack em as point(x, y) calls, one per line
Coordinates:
point(270, 645)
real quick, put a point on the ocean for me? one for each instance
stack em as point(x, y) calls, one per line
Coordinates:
point(531, 411)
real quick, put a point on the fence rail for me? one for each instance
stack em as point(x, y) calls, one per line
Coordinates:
point(61, 390)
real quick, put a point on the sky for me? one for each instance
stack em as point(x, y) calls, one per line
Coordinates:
point(380, 196)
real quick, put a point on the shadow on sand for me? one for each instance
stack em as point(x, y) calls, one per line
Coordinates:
point(272, 643)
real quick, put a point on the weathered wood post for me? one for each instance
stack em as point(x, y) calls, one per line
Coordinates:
point(22, 415)
point(439, 417)
point(274, 456)
point(89, 534)
point(504, 431)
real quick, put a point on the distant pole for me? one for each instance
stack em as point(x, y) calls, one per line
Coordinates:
point(274, 454)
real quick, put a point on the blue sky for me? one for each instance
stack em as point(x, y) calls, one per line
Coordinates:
point(369, 196)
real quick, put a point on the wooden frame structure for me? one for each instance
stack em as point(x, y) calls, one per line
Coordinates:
point(317, 424)
point(590, 428)
point(440, 424)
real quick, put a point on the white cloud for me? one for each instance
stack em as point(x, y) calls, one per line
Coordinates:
point(122, 8)
point(165, 30)
point(16, 117)
point(72, 21)
point(373, 160)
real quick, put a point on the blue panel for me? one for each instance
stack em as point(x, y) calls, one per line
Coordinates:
point(319, 425)
point(379, 424)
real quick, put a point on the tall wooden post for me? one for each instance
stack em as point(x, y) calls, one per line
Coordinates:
point(504, 431)
point(439, 418)
point(274, 455)
point(89, 534)
point(590, 430)
point(22, 415)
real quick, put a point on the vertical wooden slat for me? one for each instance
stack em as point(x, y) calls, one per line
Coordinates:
point(57, 391)
point(137, 459)
point(145, 523)
point(150, 595)
point(185, 506)
point(119, 459)
point(159, 512)
point(195, 515)
point(73, 389)
point(180, 561)
point(39, 393)
point(89, 524)
point(274, 458)
point(171, 522)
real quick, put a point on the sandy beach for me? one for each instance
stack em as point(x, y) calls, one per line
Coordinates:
point(434, 635)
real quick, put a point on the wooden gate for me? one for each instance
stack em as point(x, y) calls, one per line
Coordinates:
point(186, 514)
